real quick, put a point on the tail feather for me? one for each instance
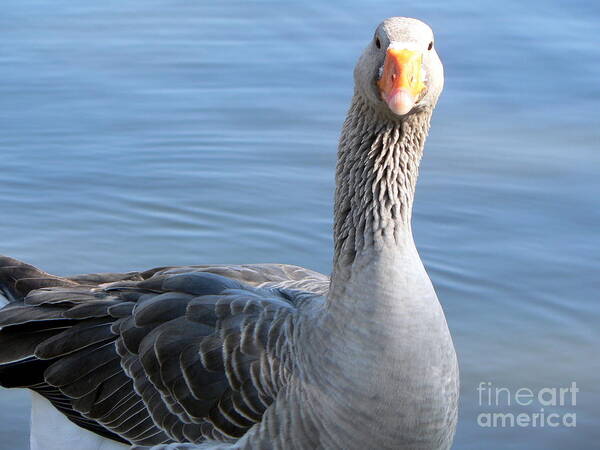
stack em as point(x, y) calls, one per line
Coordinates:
point(17, 279)
point(23, 327)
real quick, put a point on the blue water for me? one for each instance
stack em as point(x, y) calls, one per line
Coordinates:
point(135, 134)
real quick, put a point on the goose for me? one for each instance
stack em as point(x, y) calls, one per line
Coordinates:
point(261, 356)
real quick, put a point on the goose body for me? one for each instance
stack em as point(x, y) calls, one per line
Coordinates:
point(264, 355)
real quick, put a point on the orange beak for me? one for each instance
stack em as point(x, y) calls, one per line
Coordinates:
point(402, 80)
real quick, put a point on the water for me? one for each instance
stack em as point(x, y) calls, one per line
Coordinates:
point(137, 134)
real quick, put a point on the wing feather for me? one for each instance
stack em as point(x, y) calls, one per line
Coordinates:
point(174, 354)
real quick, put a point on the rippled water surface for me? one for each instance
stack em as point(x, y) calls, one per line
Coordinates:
point(137, 134)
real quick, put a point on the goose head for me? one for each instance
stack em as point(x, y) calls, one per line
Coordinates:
point(400, 72)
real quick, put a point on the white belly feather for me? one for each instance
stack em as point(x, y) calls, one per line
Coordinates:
point(50, 430)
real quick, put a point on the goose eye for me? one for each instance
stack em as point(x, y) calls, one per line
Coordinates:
point(377, 43)
point(430, 46)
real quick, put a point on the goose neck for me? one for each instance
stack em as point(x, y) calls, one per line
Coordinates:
point(376, 175)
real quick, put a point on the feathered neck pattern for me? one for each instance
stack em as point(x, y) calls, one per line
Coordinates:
point(377, 169)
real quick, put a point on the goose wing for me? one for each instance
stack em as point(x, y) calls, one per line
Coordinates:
point(176, 354)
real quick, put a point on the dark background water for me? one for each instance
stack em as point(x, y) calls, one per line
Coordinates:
point(135, 134)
